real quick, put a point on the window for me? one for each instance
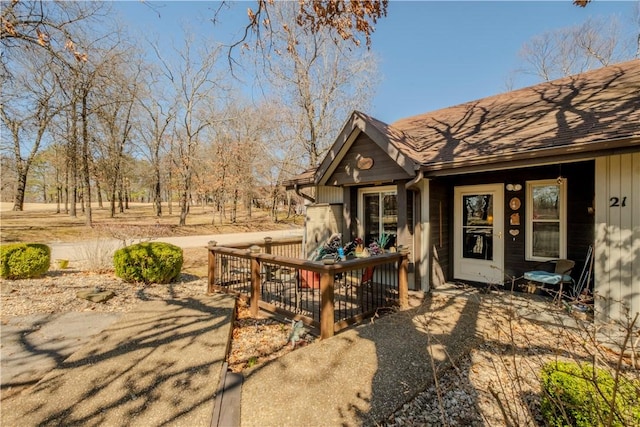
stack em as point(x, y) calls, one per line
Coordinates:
point(546, 224)
point(379, 214)
point(477, 226)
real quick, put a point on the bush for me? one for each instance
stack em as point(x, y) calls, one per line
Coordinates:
point(24, 260)
point(149, 262)
point(580, 395)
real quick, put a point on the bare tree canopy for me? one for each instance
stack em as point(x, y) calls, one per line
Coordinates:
point(346, 19)
point(566, 51)
point(44, 24)
point(317, 82)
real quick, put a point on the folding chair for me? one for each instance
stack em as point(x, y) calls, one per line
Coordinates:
point(560, 276)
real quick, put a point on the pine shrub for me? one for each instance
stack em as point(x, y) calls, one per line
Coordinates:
point(581, 395)
point(24, 260)
point(149, 262)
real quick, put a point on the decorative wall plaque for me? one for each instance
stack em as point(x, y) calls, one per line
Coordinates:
point(514, 203)
point(364, 163)
point(514, 219)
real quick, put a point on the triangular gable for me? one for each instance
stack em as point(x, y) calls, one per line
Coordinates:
point(382, 135)
point(365, 163)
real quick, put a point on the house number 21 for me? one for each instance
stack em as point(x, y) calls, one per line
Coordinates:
point(616, 202)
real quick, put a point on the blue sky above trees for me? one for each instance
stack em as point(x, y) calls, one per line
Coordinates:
point(432, 54)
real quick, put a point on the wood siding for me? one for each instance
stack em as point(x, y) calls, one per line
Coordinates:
point(384, 169)
point(580, 220)
point(327, 194)
point(617, 252)
point(441, 252)
point(321, 222)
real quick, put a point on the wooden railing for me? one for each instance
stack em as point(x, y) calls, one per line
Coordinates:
point(290, 247)
point(326, 296)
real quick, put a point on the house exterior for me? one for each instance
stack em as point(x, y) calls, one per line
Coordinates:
point(484, 191)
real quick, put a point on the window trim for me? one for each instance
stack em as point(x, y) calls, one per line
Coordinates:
point(562, 219)
point(370, 190)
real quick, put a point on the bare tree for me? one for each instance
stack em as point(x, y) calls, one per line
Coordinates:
point(317, 81)
point(196, 87)
point(595, 43)
point(115, 119)
point(47, 28)
point(232, 157)
point(157, 117)
point(341, 20)
point(28, 106)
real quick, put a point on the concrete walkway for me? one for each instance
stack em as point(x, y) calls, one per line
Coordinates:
point(360, 376)
point(161, 364)
point(363, 375)
point(33, 345)
point(157, 365)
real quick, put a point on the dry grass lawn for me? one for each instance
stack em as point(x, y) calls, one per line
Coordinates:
point(39, 222)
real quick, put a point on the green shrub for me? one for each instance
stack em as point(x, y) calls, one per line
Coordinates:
point(151, 262)
point(579, 395)
point(24, 260)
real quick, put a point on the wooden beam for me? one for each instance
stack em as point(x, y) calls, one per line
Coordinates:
point(326, 304)
point(211, 270)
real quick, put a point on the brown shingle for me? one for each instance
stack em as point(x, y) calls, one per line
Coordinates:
point(595, 106)
point(573, 114)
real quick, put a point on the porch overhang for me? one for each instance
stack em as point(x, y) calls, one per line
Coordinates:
point(530, 158)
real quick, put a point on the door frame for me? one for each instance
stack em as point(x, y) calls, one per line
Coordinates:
point(472, 269)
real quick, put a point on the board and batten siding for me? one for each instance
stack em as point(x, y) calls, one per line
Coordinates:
point(321, 222)
point(329, 194)
point(617, 245)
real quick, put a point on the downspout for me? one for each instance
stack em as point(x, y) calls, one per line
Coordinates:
point(423, 262)
point(412, 185)
point(304, 196)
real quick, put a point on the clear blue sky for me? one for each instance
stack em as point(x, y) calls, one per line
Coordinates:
point(432, 54)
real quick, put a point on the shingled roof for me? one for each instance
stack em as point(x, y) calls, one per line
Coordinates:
point(576, 112)
point(584, 114)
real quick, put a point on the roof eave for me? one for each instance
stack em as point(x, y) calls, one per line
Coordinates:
point(528, 158)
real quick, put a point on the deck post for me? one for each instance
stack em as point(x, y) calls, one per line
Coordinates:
point(267, 244)
point(403, 280)
point(255, 281)
point(326, 304)
point(211, 271)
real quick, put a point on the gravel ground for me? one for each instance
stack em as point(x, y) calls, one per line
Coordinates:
point(56, 292)
point(496, 381)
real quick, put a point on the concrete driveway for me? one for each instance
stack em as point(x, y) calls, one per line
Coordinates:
point(76, 251)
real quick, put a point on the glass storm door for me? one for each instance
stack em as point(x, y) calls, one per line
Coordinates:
point(380, 215)
point(478, 233)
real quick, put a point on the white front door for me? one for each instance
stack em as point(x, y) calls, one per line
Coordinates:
point(478, 244)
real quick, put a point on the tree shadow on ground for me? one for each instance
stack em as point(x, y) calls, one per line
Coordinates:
point(158, 365)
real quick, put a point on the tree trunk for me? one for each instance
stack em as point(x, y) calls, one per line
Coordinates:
point(184, 207)
point(170, 195)
point(73, 161)
point(234, 209)
point(120, 200)
point(157, 196)
point(274, 206)
point(99, 194)
point(21, 185)
point(58, 197)
point(85, 162)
